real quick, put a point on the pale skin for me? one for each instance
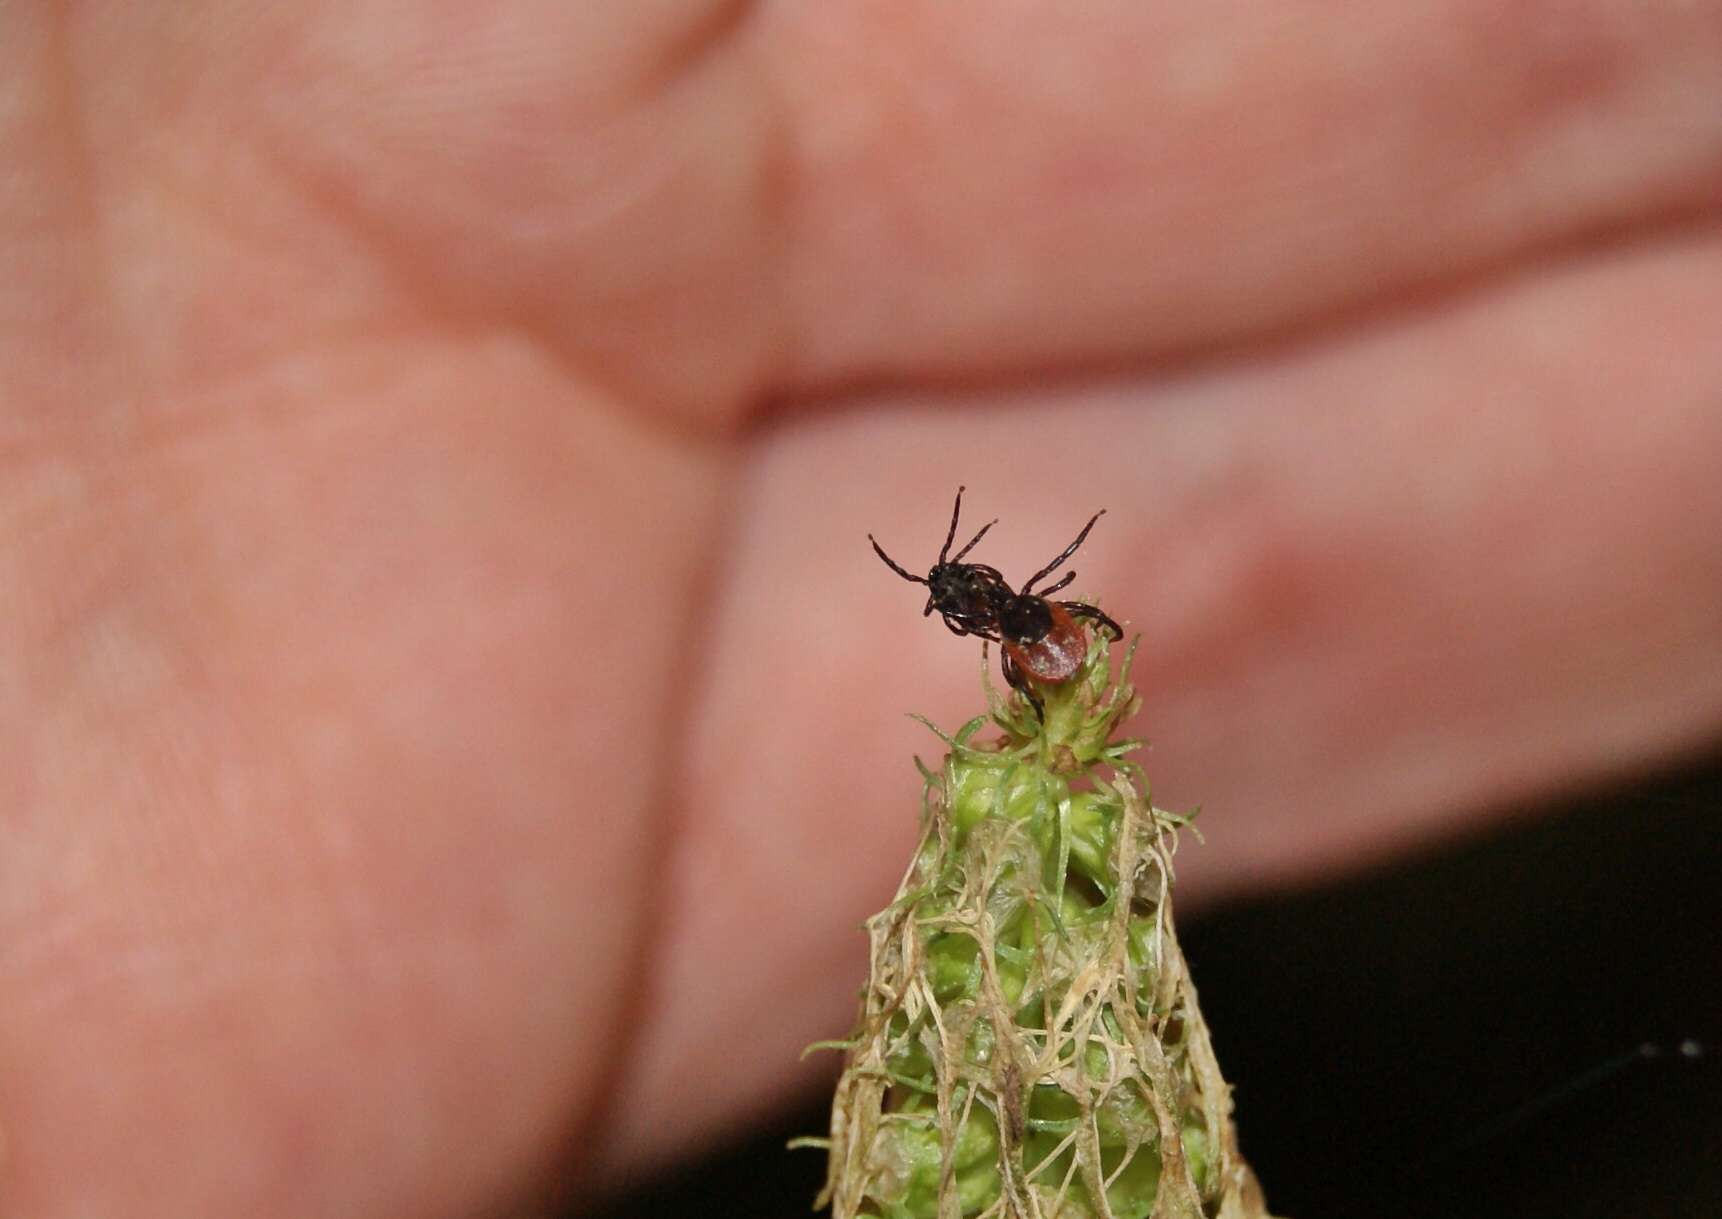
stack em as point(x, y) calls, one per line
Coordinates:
point(451, 709)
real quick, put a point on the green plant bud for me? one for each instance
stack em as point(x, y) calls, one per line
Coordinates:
point(1029, 1044)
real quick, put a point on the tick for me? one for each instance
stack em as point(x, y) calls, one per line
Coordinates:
point(1040, 638)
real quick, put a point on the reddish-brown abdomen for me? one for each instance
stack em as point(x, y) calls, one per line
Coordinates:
point(1055, 656)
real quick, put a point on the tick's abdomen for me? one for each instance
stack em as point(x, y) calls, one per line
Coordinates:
point(1056, 652)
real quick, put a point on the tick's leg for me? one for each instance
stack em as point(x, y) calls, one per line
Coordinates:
point(1047, 592)
point(951, 536)
point(1068, 551)
point(983, 533)
point(894, 565)
point(1013, 676)
point(1080, 609)
point(963, 626)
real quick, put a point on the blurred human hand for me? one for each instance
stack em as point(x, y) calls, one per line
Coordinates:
point(451, 709)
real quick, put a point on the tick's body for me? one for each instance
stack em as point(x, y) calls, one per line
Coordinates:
point(1041, 639)
point(1044, 640)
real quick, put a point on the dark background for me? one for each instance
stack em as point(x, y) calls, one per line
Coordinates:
point(1427, 1040)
